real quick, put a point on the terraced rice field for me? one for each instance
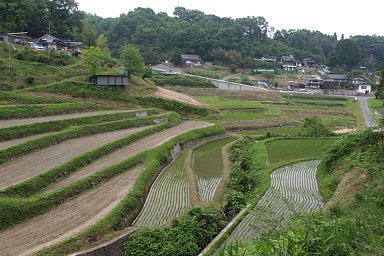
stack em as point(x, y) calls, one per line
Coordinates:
point(168, 197)
point(208, 168)
point(293, 190)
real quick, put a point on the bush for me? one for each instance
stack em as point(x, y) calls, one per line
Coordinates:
point(314, 127)
point(180, 80)
point(188, 235)
point(30, 80)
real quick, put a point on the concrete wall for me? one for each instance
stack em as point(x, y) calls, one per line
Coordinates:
point(111, 248)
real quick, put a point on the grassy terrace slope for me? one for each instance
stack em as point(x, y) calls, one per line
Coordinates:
point(135, 95)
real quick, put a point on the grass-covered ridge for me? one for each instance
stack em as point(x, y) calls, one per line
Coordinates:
point(9, 98)
point(84, 90)
point(29, 111)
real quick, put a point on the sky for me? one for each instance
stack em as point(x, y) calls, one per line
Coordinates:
point(327, 16)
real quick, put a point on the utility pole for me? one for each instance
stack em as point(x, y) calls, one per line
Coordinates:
point(9, 59)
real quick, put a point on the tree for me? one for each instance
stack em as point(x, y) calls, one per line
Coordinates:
point(379, 93)
point(347, 53)
point(314, 127)
point(132, 60)
point(94, 59)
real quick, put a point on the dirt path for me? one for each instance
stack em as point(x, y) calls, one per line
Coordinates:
point(35, 163)
point(68, 219)
point(130, 150)
point(13, 122)
point(177, 96)
point(10, 143)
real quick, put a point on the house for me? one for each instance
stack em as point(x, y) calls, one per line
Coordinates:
point(364, 89)
point(314, 82)
point(191, 60)
point(309, 63)
point(109, 80)
point(288, 60)
point(269, 59)
point(357, 80)
point(51, 42)
point(335, 80)
point(14, 38)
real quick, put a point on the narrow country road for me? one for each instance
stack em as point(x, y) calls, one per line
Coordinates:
point(369, 122)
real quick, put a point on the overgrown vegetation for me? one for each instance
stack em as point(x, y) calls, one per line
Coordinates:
point(188, 235)
point(181, 80)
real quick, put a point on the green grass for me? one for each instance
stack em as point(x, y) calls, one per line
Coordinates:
point(19, 98)
point(280, 131)
point(223, 103)
point(208, 159)
point(376, 104)
point(29, 111)
point(292, 149)
point(84, 90)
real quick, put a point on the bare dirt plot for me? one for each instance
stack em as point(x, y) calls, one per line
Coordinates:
point(177, 96)
point(68, 219)
point(14, 122)
point(35, 163)
point(130, 150)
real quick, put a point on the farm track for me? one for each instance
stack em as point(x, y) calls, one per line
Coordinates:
point(27, 166)
point(67, 219)
point(293, 190)
point(14, 122)
point(168, 197)
point(130, 150)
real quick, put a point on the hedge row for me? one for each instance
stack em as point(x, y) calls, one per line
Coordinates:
point(15, 132)
point(42, 181)
point(29, 111)
point(120, 94)
point(18, 98)
point(15, 210)
point(77, 132)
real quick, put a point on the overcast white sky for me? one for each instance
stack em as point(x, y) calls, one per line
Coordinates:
point(328, 16)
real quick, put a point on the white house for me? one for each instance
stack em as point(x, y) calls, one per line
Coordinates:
point(364, 89)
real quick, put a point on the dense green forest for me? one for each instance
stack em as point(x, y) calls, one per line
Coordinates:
point(160, 36)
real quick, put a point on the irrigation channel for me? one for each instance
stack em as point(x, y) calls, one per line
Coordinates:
point(293, 190)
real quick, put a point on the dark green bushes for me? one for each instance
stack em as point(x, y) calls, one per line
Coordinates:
point(188, 235)
point(46, 57)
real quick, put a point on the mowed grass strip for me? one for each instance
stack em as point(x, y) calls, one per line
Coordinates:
point(283, 150)
point(169, 196)
point(280, 131)
point(30, 111)
point(15, 132)
point(77, 132)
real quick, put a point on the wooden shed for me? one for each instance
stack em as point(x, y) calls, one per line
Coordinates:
point(109, 80)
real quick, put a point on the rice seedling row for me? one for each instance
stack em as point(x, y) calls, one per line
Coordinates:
point(168, 197)
point(293, 190)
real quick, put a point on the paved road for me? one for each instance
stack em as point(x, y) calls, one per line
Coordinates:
point(369, 122)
